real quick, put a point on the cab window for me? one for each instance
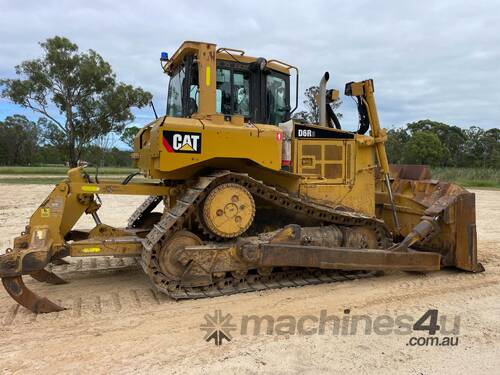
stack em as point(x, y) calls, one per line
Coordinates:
point(223, 91)
point(194, 91)
point(174, 101)
point(276, 100)
point(233, 92)
point(183, 89)
point(241, 93)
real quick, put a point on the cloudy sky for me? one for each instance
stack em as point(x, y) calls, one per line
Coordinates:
point(429, 59)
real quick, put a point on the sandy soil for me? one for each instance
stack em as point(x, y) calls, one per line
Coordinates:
point(115, 324)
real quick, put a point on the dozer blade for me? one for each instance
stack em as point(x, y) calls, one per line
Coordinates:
point(25, 297)
point(421, 200)
point(45, 276)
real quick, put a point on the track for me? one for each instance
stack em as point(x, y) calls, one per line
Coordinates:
point(145, 208)
point(184, 211)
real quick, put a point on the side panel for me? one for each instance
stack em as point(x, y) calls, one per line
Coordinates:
point(340, 172)
point(327, 159)
point(196, 143)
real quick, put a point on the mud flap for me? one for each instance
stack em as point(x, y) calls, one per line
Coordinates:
point(25, 297)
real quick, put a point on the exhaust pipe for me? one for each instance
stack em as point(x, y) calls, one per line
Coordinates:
point(322, 99)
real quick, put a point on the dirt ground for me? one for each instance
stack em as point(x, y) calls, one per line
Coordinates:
point(114, 323)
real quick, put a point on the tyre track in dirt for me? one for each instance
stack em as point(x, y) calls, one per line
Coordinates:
point(131, 299)
point(115, 323)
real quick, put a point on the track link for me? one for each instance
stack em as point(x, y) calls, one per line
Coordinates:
point(145, 208)
point(185, 209)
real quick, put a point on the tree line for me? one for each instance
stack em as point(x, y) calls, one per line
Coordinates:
point(25, 142)
point(81, 103)
point(426, 141)
point(438, 144)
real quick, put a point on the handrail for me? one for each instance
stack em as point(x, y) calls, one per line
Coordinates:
point(225, 49)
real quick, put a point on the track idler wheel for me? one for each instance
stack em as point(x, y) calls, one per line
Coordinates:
point(228, 210)
point(168, 256)
point(25, 297)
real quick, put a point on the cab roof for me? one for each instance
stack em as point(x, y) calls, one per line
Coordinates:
point(223, 53)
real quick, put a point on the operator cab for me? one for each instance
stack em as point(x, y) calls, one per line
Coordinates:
point(254, 88)
point(261, 96)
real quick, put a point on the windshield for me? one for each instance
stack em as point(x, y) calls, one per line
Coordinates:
point(183, 89)
point(174, 101)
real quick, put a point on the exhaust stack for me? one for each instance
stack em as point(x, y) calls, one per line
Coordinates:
point(322, 99)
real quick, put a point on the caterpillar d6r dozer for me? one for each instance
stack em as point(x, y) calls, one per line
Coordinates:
point(252, 199)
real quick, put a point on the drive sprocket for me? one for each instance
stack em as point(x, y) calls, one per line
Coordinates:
point(228, 210)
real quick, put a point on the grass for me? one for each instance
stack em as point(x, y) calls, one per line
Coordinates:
point(62, 170)
point(469, 177)
point(31, 181)
point(47, 180)
point(53, 174)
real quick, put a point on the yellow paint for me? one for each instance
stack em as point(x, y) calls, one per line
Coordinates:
point(345, 176)
point(229, 210)
point(90, 188)
point(40, 234)
point(219, 140)
point(88, 250)
point(207, 76)
point(337, 171)
point(45, 212)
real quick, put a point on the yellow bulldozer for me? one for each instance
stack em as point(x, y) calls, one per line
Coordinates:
point(252, 199)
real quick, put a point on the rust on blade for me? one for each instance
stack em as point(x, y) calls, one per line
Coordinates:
point(60, 262)
point(465, 255)
point(25, 297)
point(410, 172)
point(290, 255)
point(45, 276)
point(449, 207)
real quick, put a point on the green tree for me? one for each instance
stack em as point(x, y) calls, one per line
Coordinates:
point(19, 139)
point(311, 113)
point(76, 92)
point(48, 154)
point(482, 148)
point(396, 143)
point(451, 137)
point(424, 148)
point(492, 141)
point(100, 156)
point(128, 135)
